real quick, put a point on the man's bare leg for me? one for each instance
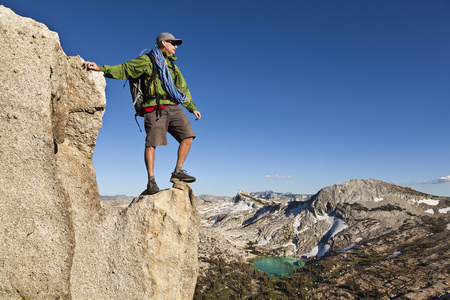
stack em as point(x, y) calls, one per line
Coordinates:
point(183, 151)
point(149, 158)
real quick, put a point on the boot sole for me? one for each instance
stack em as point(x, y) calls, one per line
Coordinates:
point(174, 180)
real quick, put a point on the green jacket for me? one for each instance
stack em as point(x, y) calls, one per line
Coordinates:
point(143, 65)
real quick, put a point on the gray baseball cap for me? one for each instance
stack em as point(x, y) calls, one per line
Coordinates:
point(165, 36)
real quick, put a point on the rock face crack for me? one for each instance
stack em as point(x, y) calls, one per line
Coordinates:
point(89, 110)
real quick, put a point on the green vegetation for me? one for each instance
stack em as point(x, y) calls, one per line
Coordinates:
point(253, 249)
point(435, 225)
point(388, 207)
point(356, 206)
point(239, 280)
point(359, 207)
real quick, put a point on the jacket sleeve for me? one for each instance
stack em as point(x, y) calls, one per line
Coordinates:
point(182, 85)
point(133, 68)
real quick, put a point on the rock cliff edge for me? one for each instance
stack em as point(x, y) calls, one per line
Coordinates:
point(57, 240)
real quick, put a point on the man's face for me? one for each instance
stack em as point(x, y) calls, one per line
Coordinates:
point(170, 47)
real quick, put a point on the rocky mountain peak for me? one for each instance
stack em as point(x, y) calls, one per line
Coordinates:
point(371, 195)
point(59, 241)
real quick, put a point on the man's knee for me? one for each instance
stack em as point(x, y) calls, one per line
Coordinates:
point(149, 151)
point(188, 140)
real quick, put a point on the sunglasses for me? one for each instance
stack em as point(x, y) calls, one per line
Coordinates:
point(173, 43)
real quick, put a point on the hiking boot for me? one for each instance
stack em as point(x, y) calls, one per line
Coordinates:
point(152, 188)
point(182, 176)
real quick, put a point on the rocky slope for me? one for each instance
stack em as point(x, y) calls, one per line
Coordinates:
point(359, 216)
point(58, 240)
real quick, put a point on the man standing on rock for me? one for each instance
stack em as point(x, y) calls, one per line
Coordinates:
point(162, 96)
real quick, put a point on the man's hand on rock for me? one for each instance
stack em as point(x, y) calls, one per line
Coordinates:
point(91, 66)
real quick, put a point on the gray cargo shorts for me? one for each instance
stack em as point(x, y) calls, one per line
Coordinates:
point(172, 120)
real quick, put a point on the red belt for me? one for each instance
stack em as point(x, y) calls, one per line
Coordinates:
point(153, 108)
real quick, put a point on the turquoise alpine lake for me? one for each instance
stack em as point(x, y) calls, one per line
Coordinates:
point(278, 267)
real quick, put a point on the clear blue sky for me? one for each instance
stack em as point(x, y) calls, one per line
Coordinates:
point(294, 95)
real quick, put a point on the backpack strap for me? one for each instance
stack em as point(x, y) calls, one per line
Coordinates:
point(154, 68)
point(172, 66)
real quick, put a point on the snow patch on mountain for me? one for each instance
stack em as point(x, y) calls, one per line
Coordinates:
point(444, 210)
point(430, 202)
point(357, 241)
point(395, 254)
point(216, 209)
point(337, 225)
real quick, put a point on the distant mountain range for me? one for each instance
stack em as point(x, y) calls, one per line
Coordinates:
point(374, 232)
point(121, 197)
point(264, 195)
